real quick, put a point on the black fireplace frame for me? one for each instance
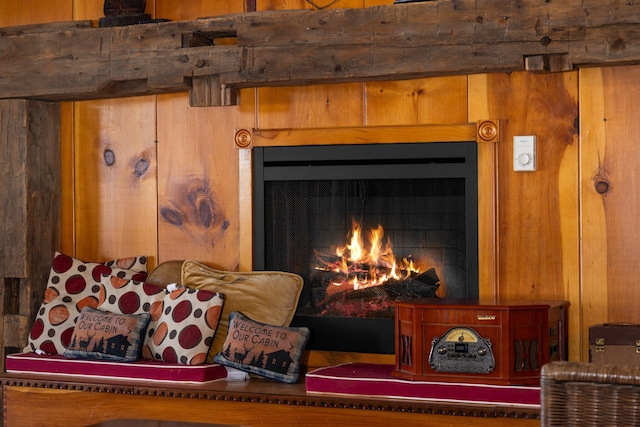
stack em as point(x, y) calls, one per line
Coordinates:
point(391, 161)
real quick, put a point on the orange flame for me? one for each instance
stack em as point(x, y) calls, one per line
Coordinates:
point(362, 268)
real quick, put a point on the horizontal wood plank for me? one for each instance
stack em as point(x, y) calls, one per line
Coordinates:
point(365, 135)
point(302, 47)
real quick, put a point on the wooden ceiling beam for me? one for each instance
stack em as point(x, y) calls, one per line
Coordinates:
point(211, 57)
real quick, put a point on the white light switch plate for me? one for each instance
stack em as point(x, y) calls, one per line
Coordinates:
point(524, 153)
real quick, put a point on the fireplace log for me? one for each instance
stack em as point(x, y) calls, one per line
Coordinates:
point(376, 301)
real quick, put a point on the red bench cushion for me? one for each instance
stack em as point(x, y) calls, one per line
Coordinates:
point(376, 380)
point(148, 370)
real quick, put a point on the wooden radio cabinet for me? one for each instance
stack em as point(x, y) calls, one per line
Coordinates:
point(476, 341)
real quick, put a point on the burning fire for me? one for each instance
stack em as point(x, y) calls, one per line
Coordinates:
point(360, 268)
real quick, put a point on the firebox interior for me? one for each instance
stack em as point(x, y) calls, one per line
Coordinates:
point(366, 225)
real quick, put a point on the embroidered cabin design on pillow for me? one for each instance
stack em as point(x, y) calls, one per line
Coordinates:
point(270, 297)
point(106, 336)
point(269, 351)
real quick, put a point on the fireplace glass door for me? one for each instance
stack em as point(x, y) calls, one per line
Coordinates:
point(367, 225)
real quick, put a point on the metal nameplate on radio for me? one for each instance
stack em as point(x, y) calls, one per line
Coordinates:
point(461, 349)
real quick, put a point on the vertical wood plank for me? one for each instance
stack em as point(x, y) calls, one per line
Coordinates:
point(115, 179)
point(594, 250)
point(23, 281)
point(198, 189)
point(538, 211)
point(30, 207)
point(14, 190)
point(610, 181)
point(488, 254)
point(67, 176)
point(421, 101)
point(26, 12)
point(194, 9)
point(115, 172)
point(310, 106)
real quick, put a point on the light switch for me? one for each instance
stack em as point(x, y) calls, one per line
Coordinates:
point(524, 153)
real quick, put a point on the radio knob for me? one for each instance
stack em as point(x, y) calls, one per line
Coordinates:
point(482, 351)
point(442, 350)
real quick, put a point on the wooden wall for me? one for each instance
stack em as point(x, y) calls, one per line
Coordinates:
point(153, 176)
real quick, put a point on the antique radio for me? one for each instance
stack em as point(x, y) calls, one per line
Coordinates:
point(614, 344)
point(503, 343)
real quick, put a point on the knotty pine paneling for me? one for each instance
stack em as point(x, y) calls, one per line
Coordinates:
point(310, 106)
point(115, 178)
point(437, 100)
point(198, 195)
point(27, 12)
point(610, 183)
point(198, 188)
point(114, 158)
point(537, 212)
point(194, 9)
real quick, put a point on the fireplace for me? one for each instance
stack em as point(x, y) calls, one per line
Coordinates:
point(366, 225)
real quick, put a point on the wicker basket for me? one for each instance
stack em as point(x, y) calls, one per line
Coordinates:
point(584, 394)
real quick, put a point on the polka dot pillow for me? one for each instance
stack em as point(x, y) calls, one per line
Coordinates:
point(74, 284)
point(185, 326)
point(129, 296)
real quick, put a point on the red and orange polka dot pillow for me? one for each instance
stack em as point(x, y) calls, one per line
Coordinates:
point(128, 296)
point(182, 329)
point(74, 284)
point(183, 321)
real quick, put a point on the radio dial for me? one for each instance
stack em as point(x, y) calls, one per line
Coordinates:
point(442, 350)
point(482, 351)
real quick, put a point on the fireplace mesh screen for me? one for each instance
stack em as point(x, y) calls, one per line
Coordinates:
point(423, 219)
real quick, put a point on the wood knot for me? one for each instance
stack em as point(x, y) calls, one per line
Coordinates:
point(141, 167)
point(109, 157)
point(602, 187)
point(545, 41)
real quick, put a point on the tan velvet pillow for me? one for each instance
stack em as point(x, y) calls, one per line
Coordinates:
point(269, 297)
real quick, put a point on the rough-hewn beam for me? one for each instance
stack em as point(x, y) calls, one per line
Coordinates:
point(299, 47)
point(30, 209)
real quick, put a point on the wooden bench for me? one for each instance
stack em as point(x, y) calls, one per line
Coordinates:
point(37, 400)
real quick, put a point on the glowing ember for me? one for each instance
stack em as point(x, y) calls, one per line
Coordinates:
point(357, 267)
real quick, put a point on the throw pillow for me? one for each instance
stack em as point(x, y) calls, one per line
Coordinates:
point(106, 336)
point(266, 350)
point(128, 296)
point(74, 284)
point(186, 323)
point(269, 297)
